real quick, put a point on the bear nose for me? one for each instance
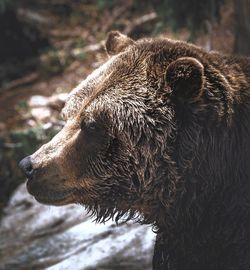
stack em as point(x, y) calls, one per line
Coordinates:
point(26, 166)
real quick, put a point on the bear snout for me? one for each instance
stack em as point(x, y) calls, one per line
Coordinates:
point(45, 184)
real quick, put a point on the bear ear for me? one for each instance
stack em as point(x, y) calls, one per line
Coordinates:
point(117, 42)
point(185, 78)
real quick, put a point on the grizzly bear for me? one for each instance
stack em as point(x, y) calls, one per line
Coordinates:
point(160, 133)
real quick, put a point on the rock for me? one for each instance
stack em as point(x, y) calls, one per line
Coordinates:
point(35, 236)
point(41, 114)
point(38, 101)
point(57, 102)
point(44, 109)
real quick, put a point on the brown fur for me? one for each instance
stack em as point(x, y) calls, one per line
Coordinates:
point(160, 134)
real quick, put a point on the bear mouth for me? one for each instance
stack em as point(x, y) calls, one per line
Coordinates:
point(51, 196)
point(55, 197)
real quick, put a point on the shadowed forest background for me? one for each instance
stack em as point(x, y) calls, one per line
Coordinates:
point(46, 48)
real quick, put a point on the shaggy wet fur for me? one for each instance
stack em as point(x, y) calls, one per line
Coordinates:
point(163, 137)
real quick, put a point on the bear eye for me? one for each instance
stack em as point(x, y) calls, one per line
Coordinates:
point(89, 127)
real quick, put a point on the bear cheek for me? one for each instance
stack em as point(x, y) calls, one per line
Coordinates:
point(76, 156)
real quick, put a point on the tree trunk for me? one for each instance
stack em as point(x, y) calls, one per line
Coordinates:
point(242, 27)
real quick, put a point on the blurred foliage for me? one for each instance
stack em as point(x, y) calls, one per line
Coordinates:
point(51, 63)
point(13, 147)
point(4, 5)
point(20, 42)
point(101, 4)
point(22, 105)
point(193, 14)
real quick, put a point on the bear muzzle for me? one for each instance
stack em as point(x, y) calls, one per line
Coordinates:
point(44, 189)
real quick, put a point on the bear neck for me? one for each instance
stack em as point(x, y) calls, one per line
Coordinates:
point(207, 226)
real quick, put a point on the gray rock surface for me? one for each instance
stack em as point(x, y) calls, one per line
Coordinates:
point(35, 236)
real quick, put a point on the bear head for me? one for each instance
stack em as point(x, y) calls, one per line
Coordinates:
point(131, 130)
